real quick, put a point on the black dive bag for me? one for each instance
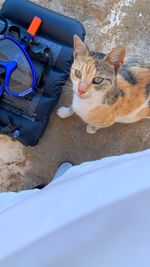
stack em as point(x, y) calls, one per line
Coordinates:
point(26, 118)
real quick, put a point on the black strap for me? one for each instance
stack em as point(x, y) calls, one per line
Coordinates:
point(8, 128)
point(42, 63)
point(43, 57)
point(46, 67)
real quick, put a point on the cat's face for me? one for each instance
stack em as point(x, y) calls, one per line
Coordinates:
point(91, 75)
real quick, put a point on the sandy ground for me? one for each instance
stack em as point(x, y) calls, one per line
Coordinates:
point(107, 23)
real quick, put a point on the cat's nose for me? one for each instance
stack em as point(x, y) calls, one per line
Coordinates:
point(81, 91)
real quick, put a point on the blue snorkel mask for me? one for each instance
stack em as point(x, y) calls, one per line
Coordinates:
point(17, 72)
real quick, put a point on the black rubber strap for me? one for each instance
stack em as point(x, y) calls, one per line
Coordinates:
point(7, 128)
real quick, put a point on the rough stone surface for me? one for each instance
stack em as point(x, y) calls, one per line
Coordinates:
point(107, 23)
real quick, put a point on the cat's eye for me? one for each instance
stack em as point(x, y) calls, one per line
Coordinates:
point(78, 73)
point(97, 80)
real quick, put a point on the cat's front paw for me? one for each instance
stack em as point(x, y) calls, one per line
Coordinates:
point(91, 129)
point(64, 112)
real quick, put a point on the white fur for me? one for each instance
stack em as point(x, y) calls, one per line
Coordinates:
point(92, 129)
point(64, 112)
point(82, 105)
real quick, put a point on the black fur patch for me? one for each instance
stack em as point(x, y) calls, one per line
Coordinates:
point(112, 96)
point(147, 90)
point(119, 92)
point(128, 76)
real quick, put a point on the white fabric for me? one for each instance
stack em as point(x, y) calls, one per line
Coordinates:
point(95, 215)
point(9, 199)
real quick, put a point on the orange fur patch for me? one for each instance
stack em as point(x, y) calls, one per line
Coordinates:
point(134, 94)
point(134, 97)
point(104, 116)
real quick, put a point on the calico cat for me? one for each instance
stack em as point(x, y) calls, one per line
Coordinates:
point(106, 90)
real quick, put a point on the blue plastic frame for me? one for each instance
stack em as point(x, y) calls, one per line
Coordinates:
point(10, 67)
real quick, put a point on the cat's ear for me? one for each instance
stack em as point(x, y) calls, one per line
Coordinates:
point(116, 57)
point(80, 49)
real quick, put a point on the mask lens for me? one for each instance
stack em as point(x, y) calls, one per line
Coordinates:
point(21, 77)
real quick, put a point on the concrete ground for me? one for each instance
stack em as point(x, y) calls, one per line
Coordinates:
point(107, 23)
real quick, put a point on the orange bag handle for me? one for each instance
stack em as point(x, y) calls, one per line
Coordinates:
point(34, 26)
